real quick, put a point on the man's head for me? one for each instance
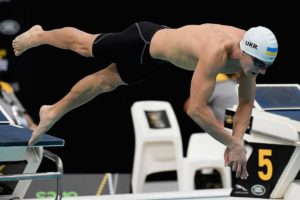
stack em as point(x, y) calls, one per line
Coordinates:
point(260, 43)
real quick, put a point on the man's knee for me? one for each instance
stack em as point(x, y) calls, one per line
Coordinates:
point(108, 84)
point(108, 79)
point(82, 43)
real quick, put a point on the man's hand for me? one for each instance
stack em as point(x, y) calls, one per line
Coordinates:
point(235, 157)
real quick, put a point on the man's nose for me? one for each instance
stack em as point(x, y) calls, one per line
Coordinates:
point(262, 70)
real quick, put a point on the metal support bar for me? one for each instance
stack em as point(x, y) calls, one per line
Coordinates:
point(48, 175)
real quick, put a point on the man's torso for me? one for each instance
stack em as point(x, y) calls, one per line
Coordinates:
point(184, 46)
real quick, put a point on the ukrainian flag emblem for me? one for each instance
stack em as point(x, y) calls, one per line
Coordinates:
point(271, 51)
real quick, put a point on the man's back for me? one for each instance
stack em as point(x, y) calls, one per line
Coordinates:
point(185, 45)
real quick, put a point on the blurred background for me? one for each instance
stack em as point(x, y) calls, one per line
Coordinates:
point(103, 126)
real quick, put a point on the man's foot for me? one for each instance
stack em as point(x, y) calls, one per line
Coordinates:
point(26, 40)
point(46, 122)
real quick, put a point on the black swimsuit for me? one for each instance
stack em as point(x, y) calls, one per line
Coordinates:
point(129, 49)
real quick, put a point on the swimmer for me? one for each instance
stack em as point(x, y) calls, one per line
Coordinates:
point(143, 48)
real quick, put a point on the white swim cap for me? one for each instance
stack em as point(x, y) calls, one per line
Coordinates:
point(260, 43)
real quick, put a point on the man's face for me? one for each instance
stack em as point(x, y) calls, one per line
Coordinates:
point(260, 67)
point(252, 65)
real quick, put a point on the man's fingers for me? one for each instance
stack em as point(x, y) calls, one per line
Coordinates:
point(236, 159)
point(226, 157)
point(226, 161)
point(238, 169)
point(229, 163)
point(234, 166)
point(244, 171)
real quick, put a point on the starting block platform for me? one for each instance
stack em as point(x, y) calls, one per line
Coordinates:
point(279, 99)
point(273, 143)
point(19, 162)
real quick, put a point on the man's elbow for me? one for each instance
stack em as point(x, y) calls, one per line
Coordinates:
point(194, 112)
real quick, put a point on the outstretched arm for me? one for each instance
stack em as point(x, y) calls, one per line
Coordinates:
point(242, 116)
point(247, 87)
point(202, 87)
point(241, 119)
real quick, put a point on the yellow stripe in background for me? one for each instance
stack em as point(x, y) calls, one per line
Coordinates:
point(222, 77)
point(102, 184)
point(3, 53)
point(6, 87)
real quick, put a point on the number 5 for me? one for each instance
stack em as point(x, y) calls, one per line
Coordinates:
point(263, 161)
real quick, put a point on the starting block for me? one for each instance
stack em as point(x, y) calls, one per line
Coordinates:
point(19, 162)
